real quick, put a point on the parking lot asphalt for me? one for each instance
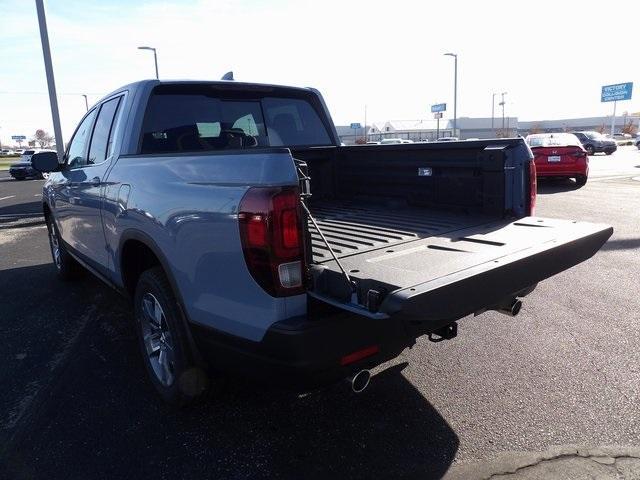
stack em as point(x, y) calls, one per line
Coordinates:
point(75, 402)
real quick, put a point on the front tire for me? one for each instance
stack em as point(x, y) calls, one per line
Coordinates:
point(608, 152)
point(66, 266)
point(164, 343)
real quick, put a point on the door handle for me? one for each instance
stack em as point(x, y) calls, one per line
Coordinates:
point(95, 181)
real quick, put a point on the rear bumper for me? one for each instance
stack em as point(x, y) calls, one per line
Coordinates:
point(305, 352)
point(562, 170)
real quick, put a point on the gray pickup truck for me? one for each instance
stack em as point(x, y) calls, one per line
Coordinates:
point(250, 241)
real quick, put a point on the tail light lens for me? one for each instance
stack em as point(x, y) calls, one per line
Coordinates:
point(533, 188)
point(580, 154)
point(271, 235)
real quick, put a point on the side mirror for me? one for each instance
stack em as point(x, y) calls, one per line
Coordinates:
point(45, 162)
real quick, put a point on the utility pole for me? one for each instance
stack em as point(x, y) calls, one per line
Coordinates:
point(365, 125)
point(455, 90)
point(51, 83)
point(613, 119)
point(502, 105)
point(493, 108)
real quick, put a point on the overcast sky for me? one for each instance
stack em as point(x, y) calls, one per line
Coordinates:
point(551, 57)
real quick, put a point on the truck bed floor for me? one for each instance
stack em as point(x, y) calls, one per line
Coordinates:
point(352, 228)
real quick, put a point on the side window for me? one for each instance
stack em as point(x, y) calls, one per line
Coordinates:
point(78, 147)
point(102, 132)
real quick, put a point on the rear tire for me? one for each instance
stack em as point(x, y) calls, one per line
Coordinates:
point(581, 180)
point(590, 150)
point(164, 343)
point(66, 266)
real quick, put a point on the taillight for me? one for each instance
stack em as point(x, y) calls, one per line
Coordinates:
point(271, 235)
point(533, 188)
point(580, 154)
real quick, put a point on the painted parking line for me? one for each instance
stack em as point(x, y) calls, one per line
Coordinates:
point(6, 198)
point(20, 215)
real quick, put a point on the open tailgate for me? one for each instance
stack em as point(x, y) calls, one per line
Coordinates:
point(548, 247)
point(440, 278)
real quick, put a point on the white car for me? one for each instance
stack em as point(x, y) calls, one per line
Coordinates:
point(448, 139)
point(27, 154)
point(391, 141)
point(6, 151)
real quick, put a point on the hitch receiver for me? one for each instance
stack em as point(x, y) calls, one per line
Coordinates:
point(444, 333)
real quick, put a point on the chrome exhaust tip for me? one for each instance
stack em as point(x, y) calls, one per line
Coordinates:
point(359, 381)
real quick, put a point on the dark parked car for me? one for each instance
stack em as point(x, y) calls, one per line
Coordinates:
point(23, 169)
point(594, 142)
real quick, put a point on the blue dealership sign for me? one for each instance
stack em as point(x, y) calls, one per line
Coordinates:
point(440, 107)
point(356, 126)
point(619, 91)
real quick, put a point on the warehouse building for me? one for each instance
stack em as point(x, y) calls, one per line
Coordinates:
point(427, 130)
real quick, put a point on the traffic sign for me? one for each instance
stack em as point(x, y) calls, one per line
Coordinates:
point(619, 91)
point(18, 137)
point(439, 107)
point(437, 115)
point(356, 126)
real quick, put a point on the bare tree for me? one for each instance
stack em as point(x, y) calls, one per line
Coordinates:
point(535, 128)
point(629, 127)
point(601, 129)
point(43, 138)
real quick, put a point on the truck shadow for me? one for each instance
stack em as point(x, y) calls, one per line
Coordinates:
point(101, 417)
point(622, 244)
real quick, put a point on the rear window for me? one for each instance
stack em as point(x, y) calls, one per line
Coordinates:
point(184, 121)
point(553, 140)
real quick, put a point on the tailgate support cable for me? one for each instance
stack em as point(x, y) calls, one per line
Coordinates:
point(326, 242)
point(305, 192)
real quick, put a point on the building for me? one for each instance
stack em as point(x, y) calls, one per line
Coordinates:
point(430, 129)
point(601, 124)
point(427, 130)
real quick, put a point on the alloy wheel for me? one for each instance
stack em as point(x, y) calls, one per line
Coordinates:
point(157, 340)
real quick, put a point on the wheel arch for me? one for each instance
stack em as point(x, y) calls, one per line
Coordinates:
point(134, 242)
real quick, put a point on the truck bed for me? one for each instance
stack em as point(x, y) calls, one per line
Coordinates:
point(353, 228)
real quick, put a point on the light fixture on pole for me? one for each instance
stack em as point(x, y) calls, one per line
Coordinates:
point(86, 103)
point(455, 90)
point(155, 58)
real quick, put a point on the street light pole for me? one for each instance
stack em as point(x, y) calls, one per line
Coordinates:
point(455, 90)
point(155, 58)
point(502, 105)
point(86, 103)
point(51, 83)
point(493, 108)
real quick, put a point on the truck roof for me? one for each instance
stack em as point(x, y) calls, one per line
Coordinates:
point(148, 84)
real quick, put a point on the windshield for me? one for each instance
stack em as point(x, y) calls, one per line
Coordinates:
point(594, 135)
point(198, 121)
point(553, 140)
